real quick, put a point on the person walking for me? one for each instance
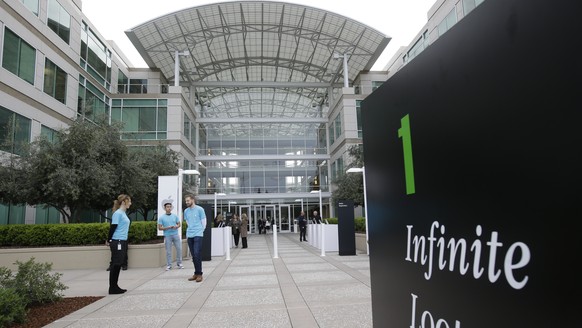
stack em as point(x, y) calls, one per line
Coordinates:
point(169, 223)
point(235, 224)
point(302, 222)
point(117, 241)
point(195, 218)
point(244, 229)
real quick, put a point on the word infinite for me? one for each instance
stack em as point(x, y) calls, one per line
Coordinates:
point(454, 251)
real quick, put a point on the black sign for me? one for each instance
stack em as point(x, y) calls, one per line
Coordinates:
point(473, 159)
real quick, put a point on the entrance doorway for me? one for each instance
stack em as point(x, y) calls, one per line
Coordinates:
point(281, 215)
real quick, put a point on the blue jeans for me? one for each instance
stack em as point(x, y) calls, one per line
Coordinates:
point(195, 245)
point(168, 241)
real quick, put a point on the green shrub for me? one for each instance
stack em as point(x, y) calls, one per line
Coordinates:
point(35, 283)
point(12, 307)
point(5, 277)
point(72, 234)
point(359, 223)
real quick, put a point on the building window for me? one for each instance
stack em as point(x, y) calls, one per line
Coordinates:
point(55, 81)
point(59, 20)
point(331, 134)
point(91, 103)
point(417, 48)
point(138, 86)
point(18, 56)
point(14, 131)
point(338, 126)
point(95, 57)
point(32, 5)
point(48, 133)
point(469, 5)
point(12, 214)
point(376, 85)
point(337, 168)
point(122, 83)
point(448, 22)
point(359, 117)
point(46, 214)
point(143, 119)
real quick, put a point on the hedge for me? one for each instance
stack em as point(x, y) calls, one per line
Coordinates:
point(359, 223)
point(72, 234)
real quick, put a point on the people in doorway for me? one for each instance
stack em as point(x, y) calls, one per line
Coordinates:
point(261, 225)
point(169, 223)
point(235, 224)
point(316, 217)
point(195, 218)
point(302, 222)
point(267, 224)
point(244, 229)
point(117, 241)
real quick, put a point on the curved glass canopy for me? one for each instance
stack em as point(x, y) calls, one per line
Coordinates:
point(258, 59)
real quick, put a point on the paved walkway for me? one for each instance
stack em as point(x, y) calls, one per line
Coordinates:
point(300, 288)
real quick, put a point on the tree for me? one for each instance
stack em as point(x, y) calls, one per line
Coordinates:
point(81, 169)
point(351, 186)
point(152, 162)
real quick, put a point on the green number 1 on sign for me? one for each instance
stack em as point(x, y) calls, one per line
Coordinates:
point(404, 134)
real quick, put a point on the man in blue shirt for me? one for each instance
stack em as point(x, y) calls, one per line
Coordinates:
point(169, 223)
point(195, 218)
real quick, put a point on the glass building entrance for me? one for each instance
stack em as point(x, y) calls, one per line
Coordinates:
point(280, 214)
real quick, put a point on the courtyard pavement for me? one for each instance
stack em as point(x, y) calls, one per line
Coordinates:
point(255, 288)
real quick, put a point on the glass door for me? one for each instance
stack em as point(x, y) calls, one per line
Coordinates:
point(271, 214)
point(256, 215)
point(285, 218)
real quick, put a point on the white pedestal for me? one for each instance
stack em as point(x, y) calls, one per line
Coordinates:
point(217, 242)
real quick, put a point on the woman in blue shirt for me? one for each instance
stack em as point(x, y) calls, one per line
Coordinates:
point(117, 240)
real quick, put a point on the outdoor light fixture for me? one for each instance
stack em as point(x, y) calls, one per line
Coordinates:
point(215, 207)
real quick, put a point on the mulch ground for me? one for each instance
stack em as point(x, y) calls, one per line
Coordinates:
point(41, 315)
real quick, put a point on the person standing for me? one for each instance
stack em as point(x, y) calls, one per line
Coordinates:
point(244, 230)
point(117, 241)
point(195, 218)
point(169, 223)
point(235, 224)
point(302, 222)
point(316, 217)
point(261, 225)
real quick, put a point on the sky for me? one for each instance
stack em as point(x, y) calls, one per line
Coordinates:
point(399, 19)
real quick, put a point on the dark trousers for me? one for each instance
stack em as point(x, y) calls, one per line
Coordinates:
point(118, 256)
point(302, 231)
point(123, 265)
point(244, 242)
point(195, 246)
point(236, 238)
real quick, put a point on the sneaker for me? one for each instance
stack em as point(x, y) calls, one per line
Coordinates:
point(124, 268)
point(199, 278)
point(168, 268)
point(180, 266)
